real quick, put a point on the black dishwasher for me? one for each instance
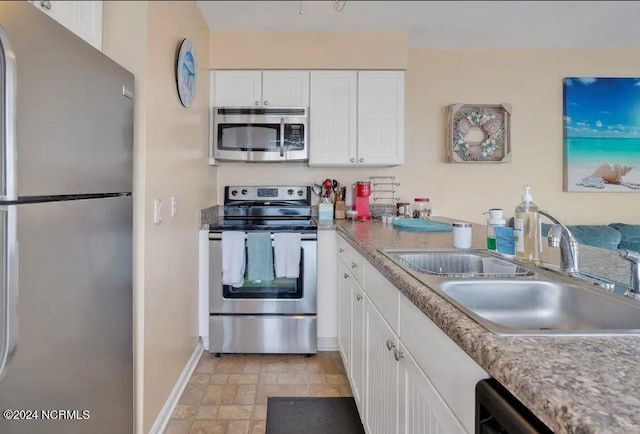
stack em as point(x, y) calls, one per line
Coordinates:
point(499, 412)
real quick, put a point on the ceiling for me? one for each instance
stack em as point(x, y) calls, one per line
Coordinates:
point(446, 24)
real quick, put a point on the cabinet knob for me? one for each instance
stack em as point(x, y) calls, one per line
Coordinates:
point(257, 102)
point(266, 103)
point(358, 297)
point(46, 4)
point(362, 160)
point(353, 160)
point(354, 265)
point(390, 344)
point(398, 355)
point(346, 276)
point(340, 250)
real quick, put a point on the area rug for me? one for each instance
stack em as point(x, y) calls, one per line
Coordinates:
point(313, 416)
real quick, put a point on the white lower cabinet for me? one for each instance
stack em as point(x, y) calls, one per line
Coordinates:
point(381, 414)
point(422, 410)
point(407, 376)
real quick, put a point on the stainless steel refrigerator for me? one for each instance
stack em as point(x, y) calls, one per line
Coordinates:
point(66, 118)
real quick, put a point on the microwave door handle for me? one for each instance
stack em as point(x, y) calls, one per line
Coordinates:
point(282, 137)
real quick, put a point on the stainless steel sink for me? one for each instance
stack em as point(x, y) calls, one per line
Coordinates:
point(509, 299)
point(456, 263)
point(534, 307)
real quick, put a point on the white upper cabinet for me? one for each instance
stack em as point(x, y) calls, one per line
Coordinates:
point(333, 113)
point(381, 117)
point(261, 88)
point(356, 118)
point(285, 88)
point(84, 18)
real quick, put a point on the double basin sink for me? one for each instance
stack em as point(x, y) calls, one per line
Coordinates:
point(509, 298)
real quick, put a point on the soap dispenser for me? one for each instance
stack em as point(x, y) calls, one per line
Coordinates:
point(526, 229)
point(496, 218)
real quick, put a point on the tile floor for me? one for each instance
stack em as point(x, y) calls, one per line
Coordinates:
point(228, 394)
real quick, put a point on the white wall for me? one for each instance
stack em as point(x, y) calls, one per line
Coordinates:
point(170, 160)
point(531, 80)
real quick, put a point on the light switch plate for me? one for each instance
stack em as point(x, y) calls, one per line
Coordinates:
point(157, 211)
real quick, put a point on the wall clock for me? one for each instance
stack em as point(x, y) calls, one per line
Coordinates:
point(186, 72)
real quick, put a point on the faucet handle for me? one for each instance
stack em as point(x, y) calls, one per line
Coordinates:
point(629, 255)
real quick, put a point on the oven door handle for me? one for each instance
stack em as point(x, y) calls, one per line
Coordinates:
point(282, 137)
point(217, 236)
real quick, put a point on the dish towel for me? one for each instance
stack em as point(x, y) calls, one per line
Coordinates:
point(259, 257)
point(233, 258)
point(286, 248)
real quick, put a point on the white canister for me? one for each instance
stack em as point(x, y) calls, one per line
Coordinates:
point(461, 235)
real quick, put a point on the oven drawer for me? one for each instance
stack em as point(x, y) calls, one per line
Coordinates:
point(275, 334)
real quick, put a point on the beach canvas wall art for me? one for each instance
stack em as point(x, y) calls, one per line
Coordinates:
point(602, 134)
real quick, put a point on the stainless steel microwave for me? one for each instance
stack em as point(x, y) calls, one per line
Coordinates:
point(260, 134)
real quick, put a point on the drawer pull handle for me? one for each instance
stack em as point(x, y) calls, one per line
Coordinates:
point(398, 355)
point(358, 297)
point(346, 276)
point(354, 265)
point(390, 344)
point(340, 250)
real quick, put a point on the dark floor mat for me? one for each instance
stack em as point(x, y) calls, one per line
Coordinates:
point(313, 416)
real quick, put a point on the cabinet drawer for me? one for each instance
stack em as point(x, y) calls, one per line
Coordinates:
point(357, 267)
point(384, 295)
point(344, 252)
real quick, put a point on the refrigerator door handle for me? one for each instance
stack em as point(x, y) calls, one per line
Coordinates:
point(8, 121)
point(9, 286)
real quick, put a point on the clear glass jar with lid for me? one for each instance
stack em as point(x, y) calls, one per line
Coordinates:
point(422, 208)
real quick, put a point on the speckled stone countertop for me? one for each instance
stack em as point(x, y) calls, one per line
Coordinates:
point(574, 385)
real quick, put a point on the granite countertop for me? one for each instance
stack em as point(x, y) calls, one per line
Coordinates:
point(573, 384)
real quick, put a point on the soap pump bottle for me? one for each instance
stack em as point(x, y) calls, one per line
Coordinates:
point(526, 229)
point(496, 218)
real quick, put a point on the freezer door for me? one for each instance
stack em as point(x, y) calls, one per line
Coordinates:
point(9, 287)
point(75, 319)
point(74, 109)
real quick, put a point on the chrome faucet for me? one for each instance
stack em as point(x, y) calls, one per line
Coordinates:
point(634, 258)
point(560, 236)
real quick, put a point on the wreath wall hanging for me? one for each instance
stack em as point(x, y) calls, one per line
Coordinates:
point(479, 133)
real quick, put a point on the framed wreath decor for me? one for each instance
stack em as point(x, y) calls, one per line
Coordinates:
point(479, 133)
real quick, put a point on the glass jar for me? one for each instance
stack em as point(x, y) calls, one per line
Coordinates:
point(422, 208)
point(403, 209)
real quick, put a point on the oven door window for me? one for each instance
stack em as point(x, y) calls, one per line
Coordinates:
point(279, 288)
point(259, 137)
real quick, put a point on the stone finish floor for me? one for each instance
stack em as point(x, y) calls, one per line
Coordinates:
point(228, 394)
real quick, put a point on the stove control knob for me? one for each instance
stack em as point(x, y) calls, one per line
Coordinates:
point(234, 192)
point(244, 191)
point(300, 193)
point(290, 191)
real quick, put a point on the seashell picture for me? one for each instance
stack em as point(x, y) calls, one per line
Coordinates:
point(479, 133)
point(602, 134)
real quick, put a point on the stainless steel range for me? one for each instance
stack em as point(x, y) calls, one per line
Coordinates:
point(277, 316)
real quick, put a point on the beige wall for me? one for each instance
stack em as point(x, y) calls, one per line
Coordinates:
point(171, 149)
point(531, 80)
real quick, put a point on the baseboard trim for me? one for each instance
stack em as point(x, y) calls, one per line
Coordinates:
point(163, 418)
point(327, 344)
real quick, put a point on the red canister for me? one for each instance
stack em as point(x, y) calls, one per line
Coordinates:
point(364, 188)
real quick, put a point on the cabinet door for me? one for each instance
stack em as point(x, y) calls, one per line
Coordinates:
point(358, 346)
point(422, 410)
point(381, 408)
point(238, 88)
point(84, 18)
point(344, 315)
point(333, 111)
point(381, 117)
point(285, 88)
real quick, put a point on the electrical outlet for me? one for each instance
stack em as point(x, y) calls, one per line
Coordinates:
point(174, 206)
point(157, 211)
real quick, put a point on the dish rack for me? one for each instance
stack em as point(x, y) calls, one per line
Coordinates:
point(383, 193)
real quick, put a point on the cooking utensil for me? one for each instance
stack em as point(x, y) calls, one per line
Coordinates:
point(317, 189)
point(328, 186)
